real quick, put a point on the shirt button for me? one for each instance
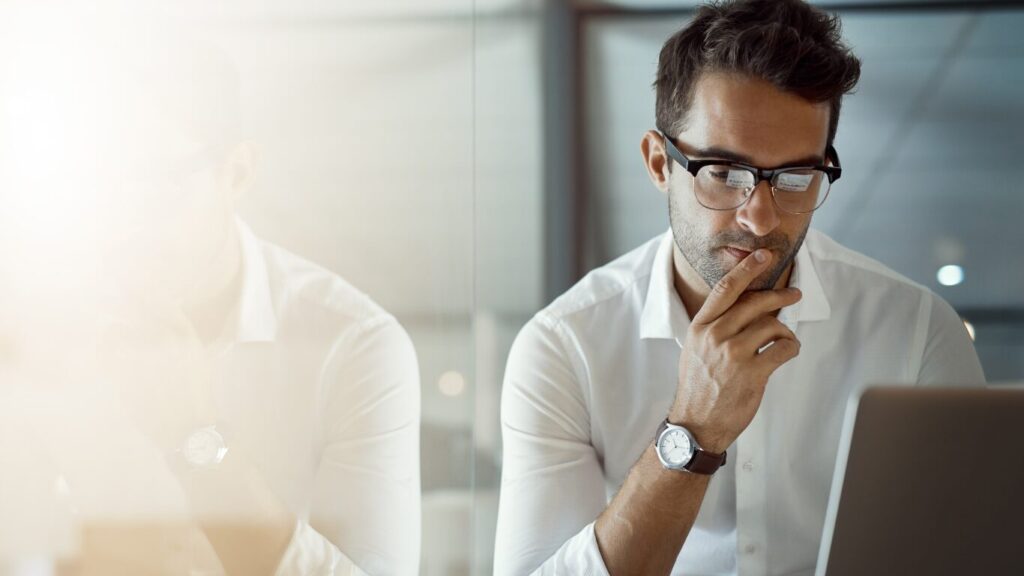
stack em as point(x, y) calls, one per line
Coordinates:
point(750, 548)
point(748, 465)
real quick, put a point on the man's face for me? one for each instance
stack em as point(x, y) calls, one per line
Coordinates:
point(104, 194)
point(172, 211)
point(748, 120)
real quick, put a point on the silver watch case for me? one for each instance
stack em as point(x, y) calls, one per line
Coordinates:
point(204, 448)
point(675, 447)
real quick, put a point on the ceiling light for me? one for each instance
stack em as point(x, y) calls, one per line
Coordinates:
point(950, 275)
point(451, 383)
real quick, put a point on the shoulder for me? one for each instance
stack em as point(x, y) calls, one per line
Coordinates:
point(553, 345)
point(873, 298)
point(846, 271)
point(606, 287)
point(309, 299)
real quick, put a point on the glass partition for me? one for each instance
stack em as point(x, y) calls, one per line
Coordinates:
point(239, 262)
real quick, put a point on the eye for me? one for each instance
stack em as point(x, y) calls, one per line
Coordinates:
point(726, 176)
point(798, 181)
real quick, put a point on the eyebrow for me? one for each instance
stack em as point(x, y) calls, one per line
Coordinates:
point(723, 154)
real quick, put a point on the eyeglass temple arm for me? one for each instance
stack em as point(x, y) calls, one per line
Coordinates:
point(837, 169)
point(674, 153)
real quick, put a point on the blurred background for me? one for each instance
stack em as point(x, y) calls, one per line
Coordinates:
point(463, 162)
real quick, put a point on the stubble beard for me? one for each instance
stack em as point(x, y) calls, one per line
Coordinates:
point(700, 252)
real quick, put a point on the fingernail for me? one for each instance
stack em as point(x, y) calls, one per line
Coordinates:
point(760, 255)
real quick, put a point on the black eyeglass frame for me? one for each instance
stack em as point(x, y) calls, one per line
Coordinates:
point(760, 174)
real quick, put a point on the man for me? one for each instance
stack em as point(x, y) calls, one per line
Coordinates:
point(733, 341)
point(224, 406)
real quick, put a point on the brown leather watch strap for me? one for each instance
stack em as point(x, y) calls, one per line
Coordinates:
point(704, 462)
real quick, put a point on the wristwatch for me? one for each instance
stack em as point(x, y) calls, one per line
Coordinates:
point(204, 448)
point(678, 450)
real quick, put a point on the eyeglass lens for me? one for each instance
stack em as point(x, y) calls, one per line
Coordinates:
point(724, 187)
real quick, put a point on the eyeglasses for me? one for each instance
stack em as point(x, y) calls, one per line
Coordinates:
point(727, 185)
point(158, 183)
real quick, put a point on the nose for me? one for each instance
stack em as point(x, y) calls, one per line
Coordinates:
point(759, 216)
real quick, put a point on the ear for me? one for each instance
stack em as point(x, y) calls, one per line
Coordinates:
point(238, 170)
point(656, 160)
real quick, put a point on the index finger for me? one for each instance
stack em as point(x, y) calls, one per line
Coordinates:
point(725, 293)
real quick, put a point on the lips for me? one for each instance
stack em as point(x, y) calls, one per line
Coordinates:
point(737, 253)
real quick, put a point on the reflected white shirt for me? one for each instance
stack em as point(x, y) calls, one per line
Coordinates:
point(312, 383)
point(590, 378)
point(322, 386)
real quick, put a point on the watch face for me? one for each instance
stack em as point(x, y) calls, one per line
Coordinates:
point(675, 447)
point(204, 447)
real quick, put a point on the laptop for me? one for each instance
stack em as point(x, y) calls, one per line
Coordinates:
point(928, 481)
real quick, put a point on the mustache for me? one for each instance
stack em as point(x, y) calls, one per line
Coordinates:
point(775, 241)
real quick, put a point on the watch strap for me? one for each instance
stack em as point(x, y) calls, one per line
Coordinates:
point(704, 462)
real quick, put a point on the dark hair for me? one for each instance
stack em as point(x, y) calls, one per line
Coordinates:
point(788, 43)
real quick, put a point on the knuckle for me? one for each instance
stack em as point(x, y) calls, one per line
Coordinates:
point(724, 286)
point(715, 335)
point(789, 348)
point(732, 350)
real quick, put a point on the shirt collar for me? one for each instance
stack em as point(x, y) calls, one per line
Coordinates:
point(255, 319)
point(813, 305)
point(664, 315)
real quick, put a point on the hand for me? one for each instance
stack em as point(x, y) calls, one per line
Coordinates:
point(722, 375)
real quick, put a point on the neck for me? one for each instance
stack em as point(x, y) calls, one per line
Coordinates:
point(692, 288)
point(212, 302)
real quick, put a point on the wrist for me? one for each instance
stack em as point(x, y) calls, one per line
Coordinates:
point(201, 448)
point(679, 450)
point(709, 439)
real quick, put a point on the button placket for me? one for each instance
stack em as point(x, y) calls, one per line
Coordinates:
point(750, 500)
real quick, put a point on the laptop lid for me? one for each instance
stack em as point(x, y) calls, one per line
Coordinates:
point(928, 481)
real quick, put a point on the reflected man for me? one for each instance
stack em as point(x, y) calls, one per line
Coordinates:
point(235, 408)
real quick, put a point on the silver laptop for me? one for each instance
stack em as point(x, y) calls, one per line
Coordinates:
point(928, 481)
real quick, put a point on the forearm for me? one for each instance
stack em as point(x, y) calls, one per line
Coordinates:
point(245, 522)
point(646, 524)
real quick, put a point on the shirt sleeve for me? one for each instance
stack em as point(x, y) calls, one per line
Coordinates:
point(552, 485)
point(311, 554)
point(949, 357)
point(365, 510)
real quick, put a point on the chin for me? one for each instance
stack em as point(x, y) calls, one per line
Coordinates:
point(761, 283)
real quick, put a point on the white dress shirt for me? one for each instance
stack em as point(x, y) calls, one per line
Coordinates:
point(322, 386)
point(313, 383)
point(590, 378)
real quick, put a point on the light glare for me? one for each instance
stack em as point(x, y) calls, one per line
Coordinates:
point(970, 329)
point(950, 275)
point(451, 383)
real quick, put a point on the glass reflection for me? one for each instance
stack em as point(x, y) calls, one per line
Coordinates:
point(180, 396)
